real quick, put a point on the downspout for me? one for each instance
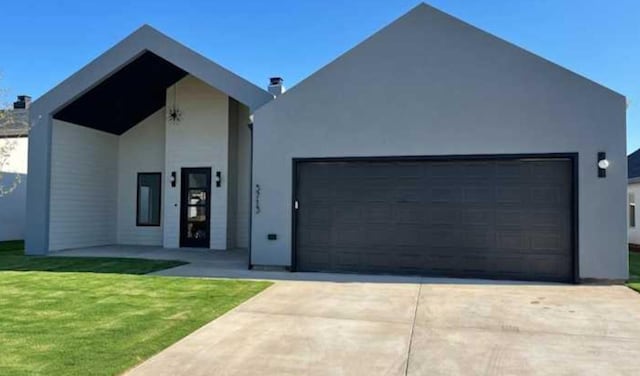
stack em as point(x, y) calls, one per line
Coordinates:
point(250, 125)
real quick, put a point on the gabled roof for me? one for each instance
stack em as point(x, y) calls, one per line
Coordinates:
point(438, 32)
point(633, 165)
point(144, 43)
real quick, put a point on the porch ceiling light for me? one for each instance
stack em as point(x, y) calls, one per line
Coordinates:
point(174, 114)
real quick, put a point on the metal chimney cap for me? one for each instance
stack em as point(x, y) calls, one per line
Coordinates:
point(276, 81)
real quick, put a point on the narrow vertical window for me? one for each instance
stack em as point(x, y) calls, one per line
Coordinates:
point(632, 210)
point(148, 206)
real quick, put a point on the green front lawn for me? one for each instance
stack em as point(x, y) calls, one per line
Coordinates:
point(81, 316)
point(634, 271)
point(12, 258)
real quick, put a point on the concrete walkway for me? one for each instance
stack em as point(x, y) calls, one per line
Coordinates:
point(326, 328)
point(341, 324)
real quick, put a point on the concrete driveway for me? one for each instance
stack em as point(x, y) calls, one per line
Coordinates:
point(325, 328)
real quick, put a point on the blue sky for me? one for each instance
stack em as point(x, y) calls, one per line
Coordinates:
point(43, 42)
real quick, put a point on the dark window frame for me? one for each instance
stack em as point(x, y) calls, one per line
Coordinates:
point(159, 200)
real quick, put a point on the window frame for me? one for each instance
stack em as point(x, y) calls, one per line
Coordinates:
point(159, 200)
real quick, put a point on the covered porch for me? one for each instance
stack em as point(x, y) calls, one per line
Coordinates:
point(148, 145)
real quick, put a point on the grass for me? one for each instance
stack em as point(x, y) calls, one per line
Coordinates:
point(79, 316)
point(634, 271)
point(12, 258)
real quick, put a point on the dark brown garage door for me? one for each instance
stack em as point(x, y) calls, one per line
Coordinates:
point(492, 218)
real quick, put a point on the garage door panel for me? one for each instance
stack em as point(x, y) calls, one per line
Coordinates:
point(443, 215)
point(477, 194)
point(510, 240)
point(511, 194)
point(447, 193)
point(547, 197)
point(347, 213)
point(414, 195)
point(509, 218)
point(480, 216)
point(315, 236)
point(548, 240)
point(476, 218)
point(479, 237)
point(510, 170)
point(409, 213)
point(345, 259)
point(408, 235)
point(315, 257)
point(444, 236)
point(377, 235)
point(549, 219)
point(318, 214)
point(352, 235)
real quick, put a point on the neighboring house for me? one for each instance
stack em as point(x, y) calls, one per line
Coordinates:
point(633, 192)
point(13, 169)
point(430, 148)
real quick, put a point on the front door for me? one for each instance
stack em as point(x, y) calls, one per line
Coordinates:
point(195, 208)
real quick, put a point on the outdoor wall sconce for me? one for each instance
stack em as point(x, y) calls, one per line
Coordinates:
point(173, 179)
point(218, 179)
point(603, 164)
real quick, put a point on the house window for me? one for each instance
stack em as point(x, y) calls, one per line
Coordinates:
point(632, 210)
point(148, 206)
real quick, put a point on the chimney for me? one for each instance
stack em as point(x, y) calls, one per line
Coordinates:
point(275, 86)
point(23, 102)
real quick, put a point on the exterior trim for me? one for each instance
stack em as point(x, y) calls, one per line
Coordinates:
point(138, 224)
point(250, 262)
point(573, 157)
point(140, 41)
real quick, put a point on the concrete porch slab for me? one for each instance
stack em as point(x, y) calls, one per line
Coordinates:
point(206, 263)
point(197, 257)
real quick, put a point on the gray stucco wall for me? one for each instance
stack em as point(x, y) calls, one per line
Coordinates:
point(39, 172)
point(429, 84)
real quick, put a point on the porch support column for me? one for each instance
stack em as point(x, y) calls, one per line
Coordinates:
point(38, 182)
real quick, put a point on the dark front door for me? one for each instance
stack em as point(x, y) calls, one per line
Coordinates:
point(500, 218)
point(195, 208)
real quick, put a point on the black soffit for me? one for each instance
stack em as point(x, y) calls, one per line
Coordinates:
point(125, 98)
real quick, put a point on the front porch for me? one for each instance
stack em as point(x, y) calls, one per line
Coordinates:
point(147, 145)
point(205, 263)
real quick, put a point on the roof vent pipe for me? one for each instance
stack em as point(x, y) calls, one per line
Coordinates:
point(275, 86)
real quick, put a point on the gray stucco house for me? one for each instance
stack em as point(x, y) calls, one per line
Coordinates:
point(430, 148)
